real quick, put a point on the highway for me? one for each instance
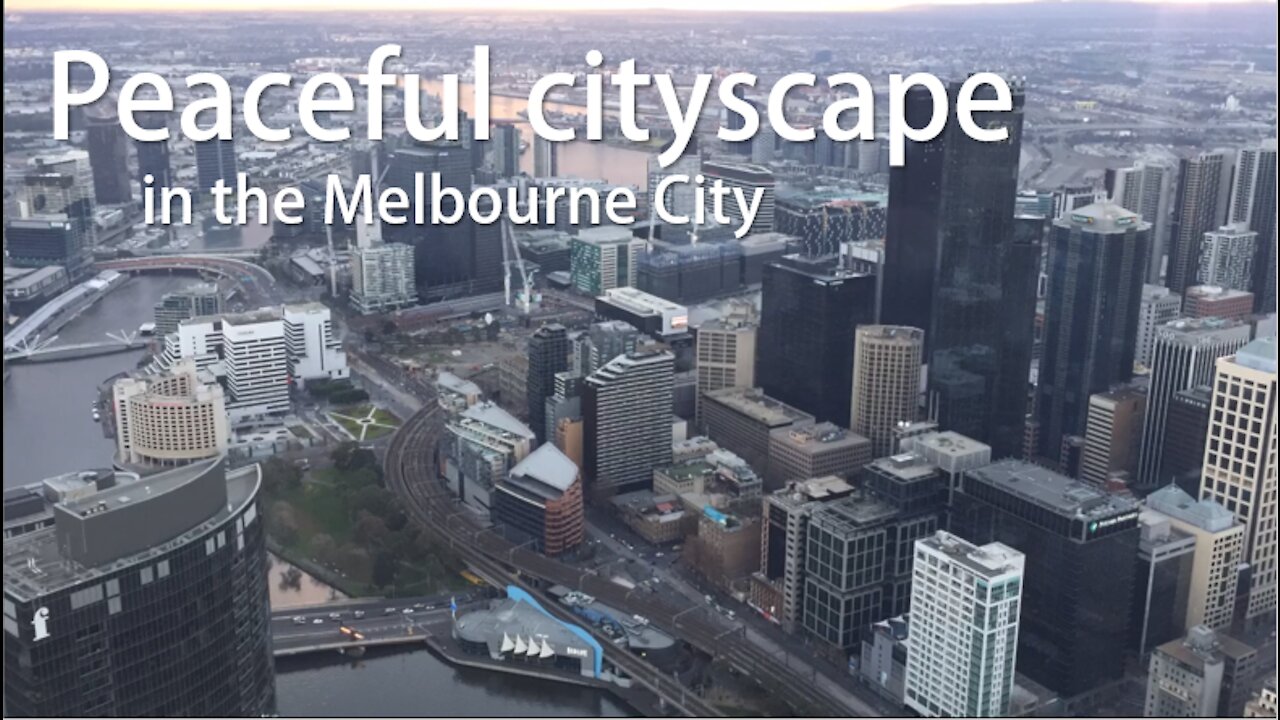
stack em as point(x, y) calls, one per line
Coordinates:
point(411, 474)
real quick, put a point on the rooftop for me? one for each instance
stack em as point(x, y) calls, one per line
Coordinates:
point(549, 466)
point(605, 235)
point(817, 438)
point(990, 560)
point(1258, 355)
point(494, 416)
point(1052, 491)
point(949, 443)
point(759, 407)
point(1174, 502)
point(640, 301)
point(34, 565)
point(854, 513)
point(1215, 292)
point(1103, 217)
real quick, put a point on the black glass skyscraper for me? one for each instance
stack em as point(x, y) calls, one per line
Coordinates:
point(1096, 259)
point(443, 257)
point(133, 597)
point(1081, 547)
point(215, 160)
point(955, 267)
point(108, 155)
point(153, 157)
point(548, 355)
point(809, 312)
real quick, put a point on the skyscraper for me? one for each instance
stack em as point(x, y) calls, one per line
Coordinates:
point(964, 627)
point(955, 268)
point(1226, 257)
point(548, 355)
point(192, 301)
point(1204, 186)
point(1145, 189)
point(1080, 544)
point(809, 311)
point(1158, 306)
point(1240, 461)
point(886, 382)
point(215, 160)
point(506, 150)
point(1185, 355)
point(1219, 543)
point(748, 179)
point(443, 254)
point(153, 157)
point(1096, 259)
point(726, 355)
point(1111, 434)
point(626, 413)
point(1253, 200)
point(108, 155)
point(139, 597)
point(546, 158)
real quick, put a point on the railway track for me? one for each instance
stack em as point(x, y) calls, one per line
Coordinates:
point(409, 473)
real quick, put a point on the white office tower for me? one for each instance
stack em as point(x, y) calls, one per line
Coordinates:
point(256, 364)
point(964, 627)
point(679, 198)
point(1226, 257)
point(381, 272)
point(1158, 307)
point(1146, 189)
point(315, 353)
point(1254, 185)
point(1240, 461)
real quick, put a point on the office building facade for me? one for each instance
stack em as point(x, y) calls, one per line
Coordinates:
point(1146, 189)
point(1219, 545)
point(1075, 626)
point(173, 419)
point(1240, 462)
point(955, 268)
point(548, 355)
point(725, 356)
point(108, 155)
point(1184, 357)
point(215, 160)
point(809, 312)
point(541, 499)
point(1253, 200)
point(1112, 434)
point(193, 301)
point(1226, 257)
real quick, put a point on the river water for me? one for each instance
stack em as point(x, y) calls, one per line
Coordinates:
point(49, 429)
point(578, 158)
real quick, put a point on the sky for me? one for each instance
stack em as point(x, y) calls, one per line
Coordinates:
point(528, 5)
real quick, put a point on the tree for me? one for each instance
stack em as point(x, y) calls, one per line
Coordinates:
point(373, 500)
point(384, 569)
point(323, 547)
point(370, 529)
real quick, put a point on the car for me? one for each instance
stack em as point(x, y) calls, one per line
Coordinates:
point(419, 605)
point(388, 611)
point(299, 620)
point(658, 555)
point(318, 621)
point(335, 616)
point(358, 614)
point(431, 607)
point(407, 611)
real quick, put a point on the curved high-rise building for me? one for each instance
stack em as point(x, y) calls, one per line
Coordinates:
point(886, 382)
point(127, 596)
point(169, 420)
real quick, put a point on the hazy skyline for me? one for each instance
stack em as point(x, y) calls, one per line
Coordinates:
point(764, 6)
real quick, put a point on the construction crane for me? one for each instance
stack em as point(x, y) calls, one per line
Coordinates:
point(511, 261)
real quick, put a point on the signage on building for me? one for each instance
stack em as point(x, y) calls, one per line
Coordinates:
point(575, 652)
point(1097, 525)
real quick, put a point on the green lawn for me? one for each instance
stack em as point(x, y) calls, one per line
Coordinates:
point(365, 422)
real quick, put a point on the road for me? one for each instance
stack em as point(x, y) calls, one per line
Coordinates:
point(309, 627)
point(410, 473)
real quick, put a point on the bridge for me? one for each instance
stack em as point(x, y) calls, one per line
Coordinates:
point(256, 281)
point(379, 622)
point(59, 311)
point(46, 351)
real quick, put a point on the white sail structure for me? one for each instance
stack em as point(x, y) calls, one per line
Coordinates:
point(533, 647)
point(546, 650)
point(520, 646)
point(507, 645)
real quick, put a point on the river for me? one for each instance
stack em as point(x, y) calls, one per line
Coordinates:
point(578, 158)
point(48, 430)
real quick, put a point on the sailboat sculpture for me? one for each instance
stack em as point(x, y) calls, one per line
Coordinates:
point(507, 645)
point(546, 650)
point(520, 646)
point(533, 647)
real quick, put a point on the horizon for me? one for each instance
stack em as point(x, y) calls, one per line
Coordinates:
point(584, 7)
